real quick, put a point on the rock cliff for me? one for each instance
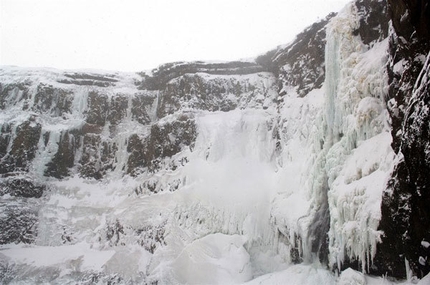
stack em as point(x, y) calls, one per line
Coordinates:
point(195, 172)
point(405, 219)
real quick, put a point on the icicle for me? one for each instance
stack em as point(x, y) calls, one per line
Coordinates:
point(46, 151)
point(357, 145)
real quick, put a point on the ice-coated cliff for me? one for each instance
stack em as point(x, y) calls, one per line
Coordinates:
point(286, 169)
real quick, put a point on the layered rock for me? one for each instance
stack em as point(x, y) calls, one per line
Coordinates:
point(286, 157)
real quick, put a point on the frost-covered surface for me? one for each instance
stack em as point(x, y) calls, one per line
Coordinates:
point(198, 173)
point(178, 195)
point(359, 159)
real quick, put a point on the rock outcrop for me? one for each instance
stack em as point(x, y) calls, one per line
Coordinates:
point(405, 216)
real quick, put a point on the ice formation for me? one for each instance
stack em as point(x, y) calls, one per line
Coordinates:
point(198, 173)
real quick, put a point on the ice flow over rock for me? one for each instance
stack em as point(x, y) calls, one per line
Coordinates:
point(268, 170)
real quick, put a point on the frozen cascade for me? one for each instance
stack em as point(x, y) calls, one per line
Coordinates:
point(358, 156)
point(190, 196)
point(345, 139)
point(211, 178)
point(232, 155)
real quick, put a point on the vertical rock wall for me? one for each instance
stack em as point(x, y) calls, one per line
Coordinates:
point(405, 208)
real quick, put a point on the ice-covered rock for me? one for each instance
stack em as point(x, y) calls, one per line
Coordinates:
point(405, 219)
point(226, 171)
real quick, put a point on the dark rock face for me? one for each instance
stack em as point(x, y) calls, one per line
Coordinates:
point(88, 79)
point(64, 158)
point(166, 72)
point(407, 51)
point(4, 139)
point(374, 20)
point(195, 91)
point(405, 208)
point(416, 20)
point(300, 64)
point(19, 218)
point(140, 108)
point(11, 93)
point(53, 101)
point(23, 147)
point(19, 223)
point(317, 236)
point(203, 86)
point(164, 140)
point(97, 156)
point(97, 109)
point(21, 187)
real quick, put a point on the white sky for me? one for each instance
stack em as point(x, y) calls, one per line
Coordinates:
point(130, 35)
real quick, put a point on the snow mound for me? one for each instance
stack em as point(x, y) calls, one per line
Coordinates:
point(213, 259)
point(351, 277)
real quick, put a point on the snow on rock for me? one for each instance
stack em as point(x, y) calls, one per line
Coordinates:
point(405, 219)
point(202, 173)
point(67, 263)
point(72, 258)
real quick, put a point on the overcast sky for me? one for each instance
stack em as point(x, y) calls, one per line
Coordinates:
point(130, 35)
